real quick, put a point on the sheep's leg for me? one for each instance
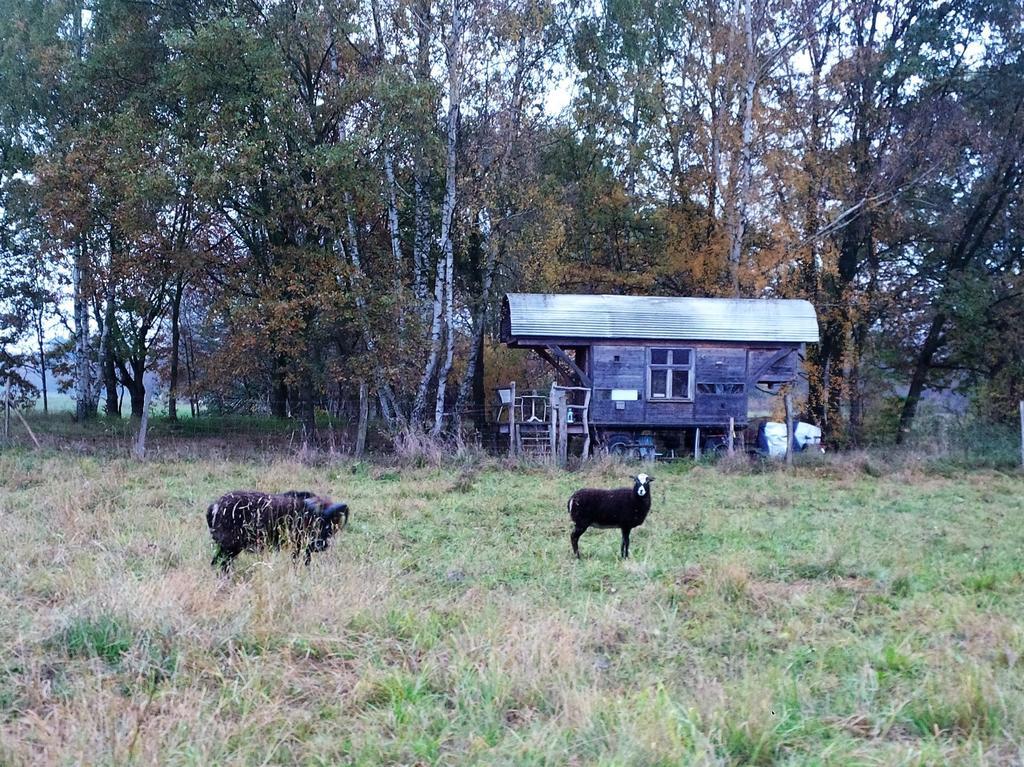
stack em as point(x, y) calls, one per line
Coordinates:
point(223, 557)
point(577, 531)
point(625, 543)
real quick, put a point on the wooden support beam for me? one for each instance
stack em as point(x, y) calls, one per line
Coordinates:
point(565, 376)
point(559, 353)
point(28, 428)
point(754, 377)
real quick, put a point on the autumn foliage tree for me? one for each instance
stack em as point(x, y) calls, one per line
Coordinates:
point(283, 207)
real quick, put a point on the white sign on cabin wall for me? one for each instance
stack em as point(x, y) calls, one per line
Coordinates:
point(621, 396)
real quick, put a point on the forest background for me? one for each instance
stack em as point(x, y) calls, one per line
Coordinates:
point(287, 207)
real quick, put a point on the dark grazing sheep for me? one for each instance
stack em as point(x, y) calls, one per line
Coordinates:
point(624, 508)
point(248, 520)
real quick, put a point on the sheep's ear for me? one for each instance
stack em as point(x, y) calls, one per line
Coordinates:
point(334, 510)
point(650, 479)
point(336, 514)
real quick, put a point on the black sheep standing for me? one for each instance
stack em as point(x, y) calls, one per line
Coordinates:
point(624, 509)
point(246, 519)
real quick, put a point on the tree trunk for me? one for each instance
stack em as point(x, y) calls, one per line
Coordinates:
point(140, 442)
point(421, 195)
point(387, 404)
point(40, 341)
point(172, 389)
point(742, 192)
point(137, 387)
point(824, 360)
point(389, 172)
point(107, 355)
point(448, 210)
point(420, 403)
point(85, 402)
point(190, 372)
point(396, 246)
point(307, 409)
point(480, 321)
point(479, 392)
point(932, 343)
point(364, 417)
point(368, 338)
point(853, 384)
point(715, 183)
point(279, 389)
point(812, 162)
point(85, 407)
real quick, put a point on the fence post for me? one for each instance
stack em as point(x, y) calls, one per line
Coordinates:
point(789, 429)
point(553, 424)
point(696, 445)
point(732, 427)
point(563, 430)
point(512, 418)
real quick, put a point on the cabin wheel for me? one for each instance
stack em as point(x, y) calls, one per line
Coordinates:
point(623, 446)
point(717, 445)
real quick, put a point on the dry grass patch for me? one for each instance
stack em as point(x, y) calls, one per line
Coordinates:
point(765, 618)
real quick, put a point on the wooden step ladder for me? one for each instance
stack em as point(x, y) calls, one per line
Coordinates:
point(534, 438)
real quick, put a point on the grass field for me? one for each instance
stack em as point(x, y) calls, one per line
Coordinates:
point(826, 616)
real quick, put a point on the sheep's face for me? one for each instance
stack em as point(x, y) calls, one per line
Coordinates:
point(330, 517)
point(642, 484)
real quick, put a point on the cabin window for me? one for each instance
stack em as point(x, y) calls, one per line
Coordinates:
point(670, 374)
point(720, 388)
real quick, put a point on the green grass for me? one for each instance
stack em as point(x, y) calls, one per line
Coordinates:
point(104, 637)
point(821, 617)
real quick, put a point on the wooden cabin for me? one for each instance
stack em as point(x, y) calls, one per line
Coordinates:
point(657, 364)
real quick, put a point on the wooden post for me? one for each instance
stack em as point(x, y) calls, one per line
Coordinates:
point(27, 427)
point(512, 418)
point(563, 430)
point(732, 428)
point(553, 423)
point(586, 425)
point(789, 429)
point(696, 445)
point(364, 417)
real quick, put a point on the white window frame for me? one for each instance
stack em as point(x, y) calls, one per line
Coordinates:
point(672, 364)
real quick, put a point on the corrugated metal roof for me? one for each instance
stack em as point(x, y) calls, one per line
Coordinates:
point(539, 315)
